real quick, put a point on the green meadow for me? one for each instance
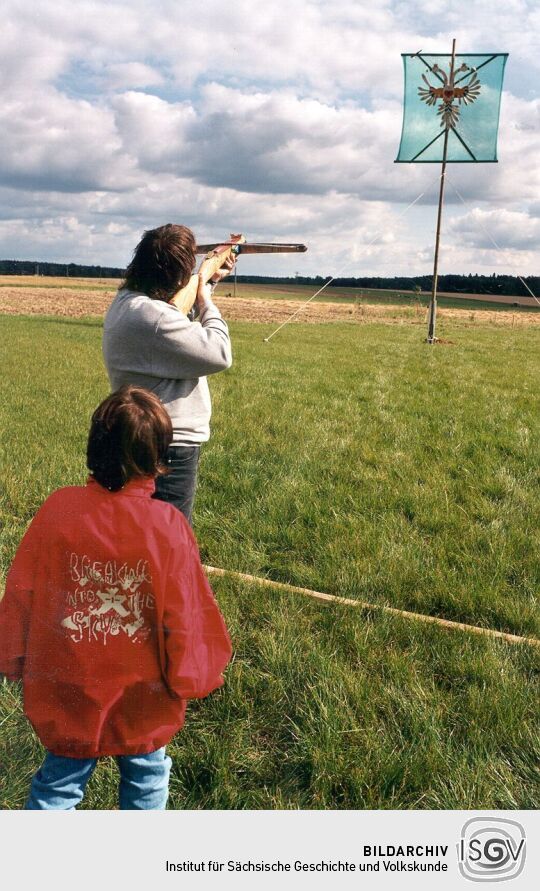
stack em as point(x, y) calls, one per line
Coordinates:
point(355, 460)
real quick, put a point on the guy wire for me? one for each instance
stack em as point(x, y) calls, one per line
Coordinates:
point(349, 262)
point(494, 243)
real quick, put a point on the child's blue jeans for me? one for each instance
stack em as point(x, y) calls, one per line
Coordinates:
point(60, 782)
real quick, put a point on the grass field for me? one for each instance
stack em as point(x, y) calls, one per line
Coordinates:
point(357, 461)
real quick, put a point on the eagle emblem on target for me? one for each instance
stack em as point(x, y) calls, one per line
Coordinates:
point(448, 92)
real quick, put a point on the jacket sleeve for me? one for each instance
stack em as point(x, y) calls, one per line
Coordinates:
point(197, 644)
point(187, 350)
point(16, 603)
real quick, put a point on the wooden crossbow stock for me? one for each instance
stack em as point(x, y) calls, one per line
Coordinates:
point(216, 255)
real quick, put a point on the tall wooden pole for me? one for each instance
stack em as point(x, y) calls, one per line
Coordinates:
point(433, 302)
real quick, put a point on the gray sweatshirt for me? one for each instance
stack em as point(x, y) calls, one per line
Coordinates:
point(152, 344)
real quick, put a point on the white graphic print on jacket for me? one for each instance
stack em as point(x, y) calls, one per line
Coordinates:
point(108, 600)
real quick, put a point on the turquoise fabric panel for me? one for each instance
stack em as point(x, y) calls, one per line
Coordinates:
point(468, 107)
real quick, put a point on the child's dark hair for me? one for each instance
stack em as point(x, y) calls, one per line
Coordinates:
point(129, 437)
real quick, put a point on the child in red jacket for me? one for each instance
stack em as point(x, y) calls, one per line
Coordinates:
point(108, 618)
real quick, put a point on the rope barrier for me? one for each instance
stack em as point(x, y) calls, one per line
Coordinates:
point(360, 604)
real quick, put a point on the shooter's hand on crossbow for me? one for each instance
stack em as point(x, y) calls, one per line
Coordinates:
point(204, 291)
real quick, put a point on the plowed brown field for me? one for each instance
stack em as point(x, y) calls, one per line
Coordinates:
point(82, 299)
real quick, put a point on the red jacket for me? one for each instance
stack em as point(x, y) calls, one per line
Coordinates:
point(110, 622)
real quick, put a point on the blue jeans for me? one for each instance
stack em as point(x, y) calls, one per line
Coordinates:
point(60, 782)
point(178, 486)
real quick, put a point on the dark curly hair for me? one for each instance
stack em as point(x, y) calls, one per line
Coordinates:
point(129, 436)
point(163, 262)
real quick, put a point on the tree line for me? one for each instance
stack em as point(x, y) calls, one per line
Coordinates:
point(70, 270)
point(508, 285)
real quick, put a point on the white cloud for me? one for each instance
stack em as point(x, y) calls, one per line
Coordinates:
point(496, 229)
point(152, 130)
point(269, 142)
point(51, 142)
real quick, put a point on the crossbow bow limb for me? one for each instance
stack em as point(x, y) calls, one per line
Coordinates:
point(216, 255)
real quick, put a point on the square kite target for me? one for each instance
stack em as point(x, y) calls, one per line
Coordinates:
point(462, 101)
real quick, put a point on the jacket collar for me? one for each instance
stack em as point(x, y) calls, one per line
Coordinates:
point(143, 487)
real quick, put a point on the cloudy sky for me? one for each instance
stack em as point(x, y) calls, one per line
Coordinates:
point(281, 120)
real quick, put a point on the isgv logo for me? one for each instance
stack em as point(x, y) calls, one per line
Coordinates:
point(491, 849)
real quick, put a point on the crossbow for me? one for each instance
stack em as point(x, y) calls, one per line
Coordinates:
point(216, 255)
